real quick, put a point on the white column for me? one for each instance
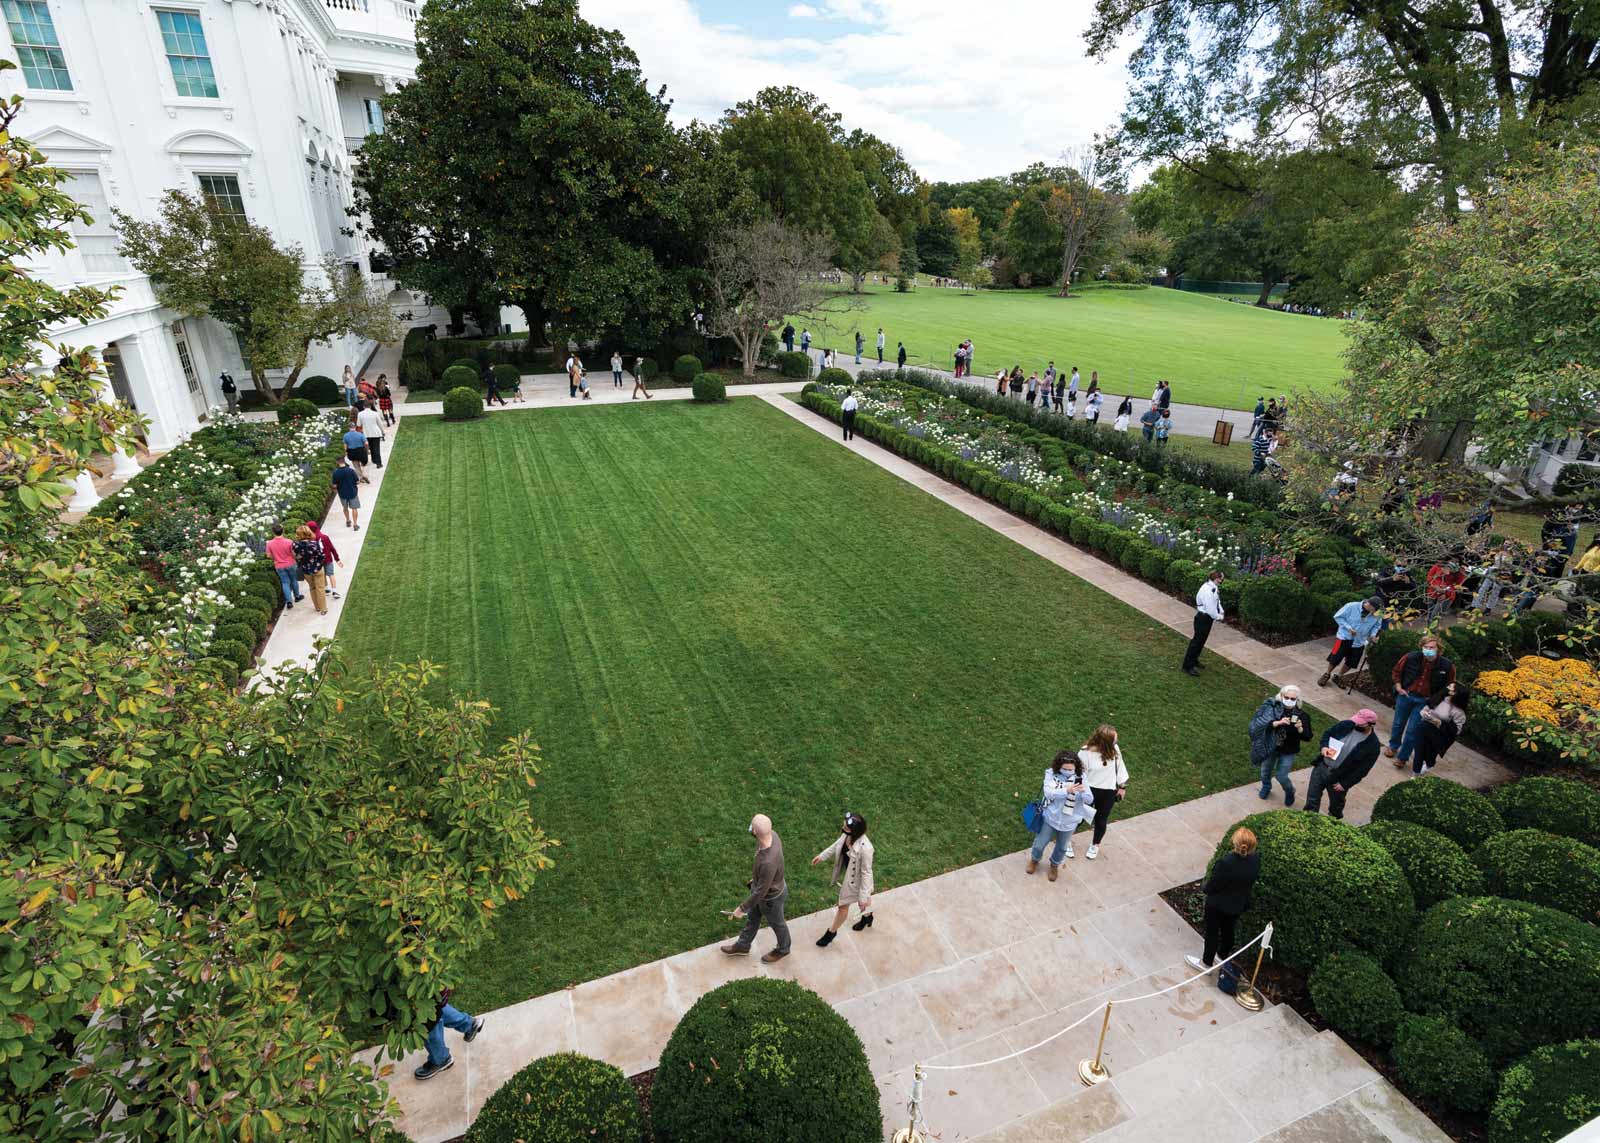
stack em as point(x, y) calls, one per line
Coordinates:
point(124, 465)
point(158, 386)
point(84, 497)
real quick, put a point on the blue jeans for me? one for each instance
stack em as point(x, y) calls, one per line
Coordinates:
point(350, 396)
point(1407, 721)
point(1277, 767)
point(1042, 839)
point(289, 580)
point(452, 1018)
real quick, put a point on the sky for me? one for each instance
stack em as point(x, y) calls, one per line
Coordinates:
point(966, 88)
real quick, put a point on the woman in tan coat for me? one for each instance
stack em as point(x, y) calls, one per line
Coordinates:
point(852, 872)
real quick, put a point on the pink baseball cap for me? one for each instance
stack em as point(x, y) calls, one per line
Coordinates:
point(1365, 717)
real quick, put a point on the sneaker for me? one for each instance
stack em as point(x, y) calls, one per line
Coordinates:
point(1196, 963)
point(1069, 852)
point(288, 603)
point(774, 956)
point(430, 1069)
point(1094, 852)
point(1323, 681)
point(333, 594)
point(1424, 770)
point(477, 1026)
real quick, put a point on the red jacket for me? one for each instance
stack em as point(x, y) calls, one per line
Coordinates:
point(329, 552)
point(1442, 584)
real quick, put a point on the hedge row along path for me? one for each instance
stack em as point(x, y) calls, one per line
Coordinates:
point(968, 965)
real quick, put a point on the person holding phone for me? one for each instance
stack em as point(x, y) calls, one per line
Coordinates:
point(1066, 803)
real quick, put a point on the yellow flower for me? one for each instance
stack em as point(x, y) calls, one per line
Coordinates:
point(1537, 664)
point(1575, 669)
point(1535, 711)
point(1500, 684)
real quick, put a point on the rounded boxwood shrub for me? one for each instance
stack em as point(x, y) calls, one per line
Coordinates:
point(1435, 867)
point(687, 368)
point(296, 408)
point(236, 632)
point(320, 390)
point(470, 364)
point(462, 404)
point(1356, 997)
point(1133, 553)
point(1436, 1060)
point(1330, 584)
point(1532, 865)
point(648, 369)
point(564, 1098)
point(758, 1052)
point(1548, 1094)
point(1116, 540)
point(236, 653)
point(710, 387)
point(794, 364)
point(1512, 974)
point(1153, 566)
point(1276, 603)
point(1325, 887)
point(1555, 805)
point(415, 373)
point(835, 376)
point(1182, 573)
point(460, 377)
point(507, 377)
point(1464, 816)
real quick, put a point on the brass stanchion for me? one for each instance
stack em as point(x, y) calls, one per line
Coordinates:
point(1247, 996)
point(909, 1133)
point(1093, 1072)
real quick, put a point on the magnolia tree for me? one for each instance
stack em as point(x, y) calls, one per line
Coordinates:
point(1082, 208)
point(760, 274)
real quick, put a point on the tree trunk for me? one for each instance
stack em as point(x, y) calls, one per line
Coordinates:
point(751, 351)
point(258, 378)
point(1267, 282)
point(856, 280)
point(533, 314)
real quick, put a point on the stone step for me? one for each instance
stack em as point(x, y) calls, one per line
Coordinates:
point(1308, 1076)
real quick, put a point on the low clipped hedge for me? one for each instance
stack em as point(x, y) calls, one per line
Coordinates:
point(1512, 974)
point(1435, 867)
point(1437, 1060)
point(709, 387)
point(470, 364)
point(463, 404)
point(686, 368)
point(1356, 997)
point(1555, 805)
point(1545, 868)
point(758, 1054)
point(1548, 1094)
point(797, 365)
point(507, 378)
point(460, 377)
point(1325, 887)
point(415, 373)
point(1464, 816)
point(836, 377)
point(563, 1098)
point(296, 408)
point(320, 390)
point(1279, 604)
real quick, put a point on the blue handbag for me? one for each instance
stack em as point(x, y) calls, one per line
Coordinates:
point(1033, 816)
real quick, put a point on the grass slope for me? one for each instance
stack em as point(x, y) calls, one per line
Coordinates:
point(1214, 352)
point(708, 611)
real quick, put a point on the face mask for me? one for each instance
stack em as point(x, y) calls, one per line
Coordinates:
point(1291, 703)
point(1430, 653)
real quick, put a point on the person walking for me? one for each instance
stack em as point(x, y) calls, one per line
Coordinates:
point(880, 345)
point(370, 422)
point(1277, 729)
point(1442, 722)
point(860, 343)
point(1033, 388)
point(1227, 892)
point(1260, 446)
point(788, 338)
point(851, 854)
point(348, 382)
point(1000, 383)
point(638, 380)
point(308, 562)
point(230, 392)
point(1163, 427)
point(385, 399)
point(847, 415)
point(281, 551)
point(491, 390)
point(900, 356)
point(1016, 382)
point(1417, 676)
point(1165, 396)
point(1496, 578)
point(1258, 415)
point(1355, 624)
point(1106, 775)
point(1347, 752)
point(344, 482)
point(445, 1016)
point(1065, 803)
point(961, 359)
point(1124, 414)
point(805, 342)
point(768, 892)
point(1444, 581)
point(616, 369)
point(355, 451)
point(330, 557)
point(1147, 422)
point(1091, 406)
point(1207, 611)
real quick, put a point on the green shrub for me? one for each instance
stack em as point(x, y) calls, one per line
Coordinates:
point(415, 373)
point(564, 1098)
point(1545, 868)
point(1277, 603)
point(1333, 584)
point(1436, 868)
point(1356, 997)
point(508, 378)
point(1078, 529)
point(463, 404)
point(1325, 887)
point(460, 377)
point(835, 377)
point(320, 390)
point(759, 1052)
point(1133, 554)
point(710, 387)
point(1512, 974)
point(1548, 1094)
point(796, 365)
point(686, 369)
point(1555, 805)
point(1153, 566)
point(470, 364)
point(1231, 592)
point(224, 668)
point(1182, 573)
point(296, 408)
point(1116, 540)
point(1464, 816)
point(1436, 1060)
point(236, 631)
point(236, 653)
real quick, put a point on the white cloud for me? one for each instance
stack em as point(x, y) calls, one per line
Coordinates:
point(965, 91)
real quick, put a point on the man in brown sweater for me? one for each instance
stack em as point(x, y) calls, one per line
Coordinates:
point(768, 894)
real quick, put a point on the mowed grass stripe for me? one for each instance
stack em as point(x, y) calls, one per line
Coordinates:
point(707, 611)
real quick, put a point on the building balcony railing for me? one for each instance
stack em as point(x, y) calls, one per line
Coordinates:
point(393, 18)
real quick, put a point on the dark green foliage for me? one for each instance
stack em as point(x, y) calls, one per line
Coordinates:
point(1325, 887)
point(1279, 604)
point(710, 387)
point(237, 653)
point(794, 364)
point(471, 364)
point(459, 376)
point(239, 632)
point(1153, 566)
point(1546, 1095)
point(507, 377)
point(295, 408)
point(1186, 576)
point(648, 369)
point(1356, 997)
point(563, 1098)
point(1435, 867)
point(463, 404)
point(1436, 1060)
point(320, 390)
point(415, 373)
point(1556, 805)
point(1335, 585)
point(1231, 592)
point(1133, 554)
point(686, 368)
point(836, 377)
point(759, 1053)
point(1545, 868)
point(1512, 974)
point(1464, 816)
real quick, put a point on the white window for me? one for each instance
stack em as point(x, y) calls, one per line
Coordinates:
point(374, 111)
point(223, 192)
point(38, 50)
point(184, 41)
point(95, 238)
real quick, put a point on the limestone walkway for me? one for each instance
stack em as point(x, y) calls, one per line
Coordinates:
point(984, 961)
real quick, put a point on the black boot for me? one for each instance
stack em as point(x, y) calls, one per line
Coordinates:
point(864, 923)
point(826, 939)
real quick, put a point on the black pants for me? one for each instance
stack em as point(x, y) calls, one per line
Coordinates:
point(1219, 934)
point(1431, 743)
point(849, 419)
point(1202, 631)
point(1314, 790)
point(1104, 800)
point(375, 447)
point(616, 378)
point(494, 395)
point(880, 355)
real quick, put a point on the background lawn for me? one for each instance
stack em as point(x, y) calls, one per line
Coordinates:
point(1214, 352)
point(708, 611)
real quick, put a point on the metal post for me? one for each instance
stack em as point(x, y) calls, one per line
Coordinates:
point(1247, 996)
point(1093, 1071)
point(909, 1133)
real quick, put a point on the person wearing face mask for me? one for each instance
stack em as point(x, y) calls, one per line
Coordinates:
point(1277, 729)
point(1107, 778)
point(1347, 753)
point(851, 854)
point(1417, 676)
point(1065, 803)
point(1357, 623)
point(768, 893)
point(1441, 721)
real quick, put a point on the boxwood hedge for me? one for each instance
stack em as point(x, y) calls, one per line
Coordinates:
point(1356, 997)
point(1437, 1060)
point(1556, 805)
point(562, 1098)
point(1545, 868)
point(1435, 867)
point(1548, 1094)
point(1464, 816)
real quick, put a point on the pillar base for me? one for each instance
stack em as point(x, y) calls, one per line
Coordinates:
point(84, 497)
point(124, 465)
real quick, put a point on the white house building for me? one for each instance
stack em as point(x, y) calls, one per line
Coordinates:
point(258, 104)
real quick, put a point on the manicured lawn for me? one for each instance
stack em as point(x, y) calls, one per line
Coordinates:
point(1213, 351)
point(708, 611)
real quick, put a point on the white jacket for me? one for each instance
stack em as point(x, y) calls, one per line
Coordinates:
point(858, 875)
point(1098, 774)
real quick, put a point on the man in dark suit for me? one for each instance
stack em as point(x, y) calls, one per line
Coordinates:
point(1348, 750)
